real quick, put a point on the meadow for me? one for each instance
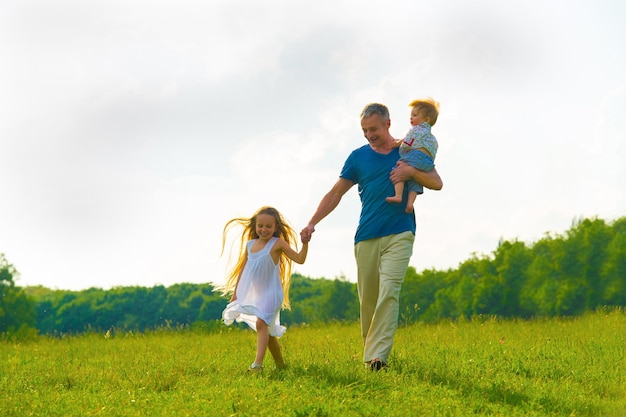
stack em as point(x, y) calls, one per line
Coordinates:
point(478, 367)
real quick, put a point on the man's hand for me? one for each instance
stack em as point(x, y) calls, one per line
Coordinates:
point(401, 173)
point(307, 233)
point(429, 179)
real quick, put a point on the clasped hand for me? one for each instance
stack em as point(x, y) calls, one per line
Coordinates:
point(307, 233)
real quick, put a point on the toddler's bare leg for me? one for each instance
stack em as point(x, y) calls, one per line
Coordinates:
point(398, 188)
point(411, 201)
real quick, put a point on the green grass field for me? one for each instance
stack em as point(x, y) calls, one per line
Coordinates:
point(552, 367)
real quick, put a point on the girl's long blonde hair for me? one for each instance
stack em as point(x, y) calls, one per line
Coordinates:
point(283, 231)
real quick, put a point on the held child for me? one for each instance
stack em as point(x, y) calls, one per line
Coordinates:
point(418, 148)
point(259, 281)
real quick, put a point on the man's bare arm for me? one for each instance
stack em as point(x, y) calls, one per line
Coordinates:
point(327, 205)
point(429, 179)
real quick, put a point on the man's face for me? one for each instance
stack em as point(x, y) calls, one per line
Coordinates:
point(374, 129)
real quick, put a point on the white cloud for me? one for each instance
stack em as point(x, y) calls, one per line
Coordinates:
point(133, 131)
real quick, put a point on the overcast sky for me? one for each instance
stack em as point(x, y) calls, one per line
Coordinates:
point(131, 131)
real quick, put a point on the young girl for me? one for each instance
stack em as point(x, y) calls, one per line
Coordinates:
point(259, 281)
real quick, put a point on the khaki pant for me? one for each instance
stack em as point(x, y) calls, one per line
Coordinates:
point(381, 264)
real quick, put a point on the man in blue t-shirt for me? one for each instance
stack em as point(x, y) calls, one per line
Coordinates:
point(383, 243)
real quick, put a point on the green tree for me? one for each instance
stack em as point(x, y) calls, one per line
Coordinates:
point(591, 238)
point(75, 316)
point(418, 293)
point(487, 294)
point(212, 309)
point(308, 300)
point(341, 302)
point(538, 293)
point(17, 309)
point(613, 271)
point(511, 262)
point(443, 307)
point(468, 274)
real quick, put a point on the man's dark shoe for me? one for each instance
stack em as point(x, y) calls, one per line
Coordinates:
point(377, 364)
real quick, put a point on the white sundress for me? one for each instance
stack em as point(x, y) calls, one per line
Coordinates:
point(259, 293)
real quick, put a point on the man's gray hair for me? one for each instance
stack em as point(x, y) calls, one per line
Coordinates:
point(376, 108)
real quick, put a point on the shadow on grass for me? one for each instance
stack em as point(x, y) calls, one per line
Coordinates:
point(322, 373)
point(498, 392)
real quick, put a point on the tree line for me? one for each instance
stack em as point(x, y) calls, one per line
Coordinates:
point(559, 275)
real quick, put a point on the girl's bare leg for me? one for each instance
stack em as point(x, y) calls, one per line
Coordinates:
point(274, 348)
point(262, 340)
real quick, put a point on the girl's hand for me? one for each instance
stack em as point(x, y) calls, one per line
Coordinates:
point(307, 233)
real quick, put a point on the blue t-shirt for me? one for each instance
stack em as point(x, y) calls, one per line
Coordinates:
point(370, 171)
